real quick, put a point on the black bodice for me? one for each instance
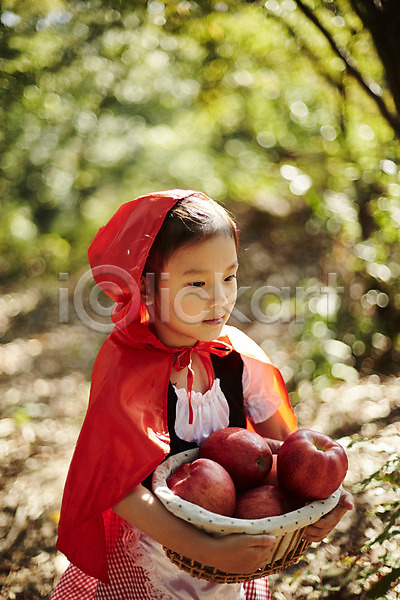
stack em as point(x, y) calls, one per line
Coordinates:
point(229, 370)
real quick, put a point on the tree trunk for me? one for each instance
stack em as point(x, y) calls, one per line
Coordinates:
point(382, 18)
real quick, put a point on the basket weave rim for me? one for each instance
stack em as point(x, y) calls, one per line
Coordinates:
point(221, 525)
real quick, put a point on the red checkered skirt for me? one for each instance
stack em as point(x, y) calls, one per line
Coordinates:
point(130, 579)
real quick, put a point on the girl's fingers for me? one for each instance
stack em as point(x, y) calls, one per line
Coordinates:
point(274, 445)
point(320, 529)
point(261, 540)
point(245, 553)
point(260, 551)
point(346, 500)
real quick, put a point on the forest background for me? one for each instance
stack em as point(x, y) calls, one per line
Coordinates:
point(285, 111)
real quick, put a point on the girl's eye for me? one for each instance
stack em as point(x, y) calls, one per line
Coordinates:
point(230, 278)
point(196, 284)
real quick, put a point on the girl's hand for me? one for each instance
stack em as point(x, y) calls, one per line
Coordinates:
point(317, 531)
point(238, 553)
point(274, 445)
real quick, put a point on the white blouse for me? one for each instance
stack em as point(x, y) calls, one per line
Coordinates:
point(211, 409)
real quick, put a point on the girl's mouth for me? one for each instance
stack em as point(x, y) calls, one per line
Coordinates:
point(215, 321)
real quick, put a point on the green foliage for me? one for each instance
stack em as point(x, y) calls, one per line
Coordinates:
point(103, 101)
point(387, 480)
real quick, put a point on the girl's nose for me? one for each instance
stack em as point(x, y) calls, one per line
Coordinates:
point(219, 297)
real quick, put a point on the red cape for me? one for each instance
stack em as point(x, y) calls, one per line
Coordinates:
point(125, 435)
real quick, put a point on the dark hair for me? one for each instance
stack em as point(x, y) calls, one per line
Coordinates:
point(192, 219)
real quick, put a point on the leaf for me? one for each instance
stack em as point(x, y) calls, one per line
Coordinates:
point(387, 532)
point(382, 474)
point(382, 586)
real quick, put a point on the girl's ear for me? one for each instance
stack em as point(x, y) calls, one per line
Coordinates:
point(147, 288)
point(147, 293)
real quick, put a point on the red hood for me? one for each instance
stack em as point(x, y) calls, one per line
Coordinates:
point(120, 249)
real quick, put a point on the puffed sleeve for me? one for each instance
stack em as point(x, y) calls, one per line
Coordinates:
point(261, 400)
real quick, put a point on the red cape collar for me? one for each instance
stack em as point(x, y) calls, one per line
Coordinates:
point(138, 335)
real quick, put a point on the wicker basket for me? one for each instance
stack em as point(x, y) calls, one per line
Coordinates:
point(288, 528)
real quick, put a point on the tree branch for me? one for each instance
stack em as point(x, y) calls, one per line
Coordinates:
point(392, 119)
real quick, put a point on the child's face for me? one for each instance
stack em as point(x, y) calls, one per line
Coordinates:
point(196, 292)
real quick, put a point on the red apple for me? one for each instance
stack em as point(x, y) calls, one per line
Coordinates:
point(259, 502)
point(205, 483)
point(311, 465)
point(245, 454)
point(294, 502)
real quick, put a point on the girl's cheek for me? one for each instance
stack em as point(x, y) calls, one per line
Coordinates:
point(190, 307)
point(232, 296)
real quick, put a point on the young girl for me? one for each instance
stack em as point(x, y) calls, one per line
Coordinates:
point(169, 374)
